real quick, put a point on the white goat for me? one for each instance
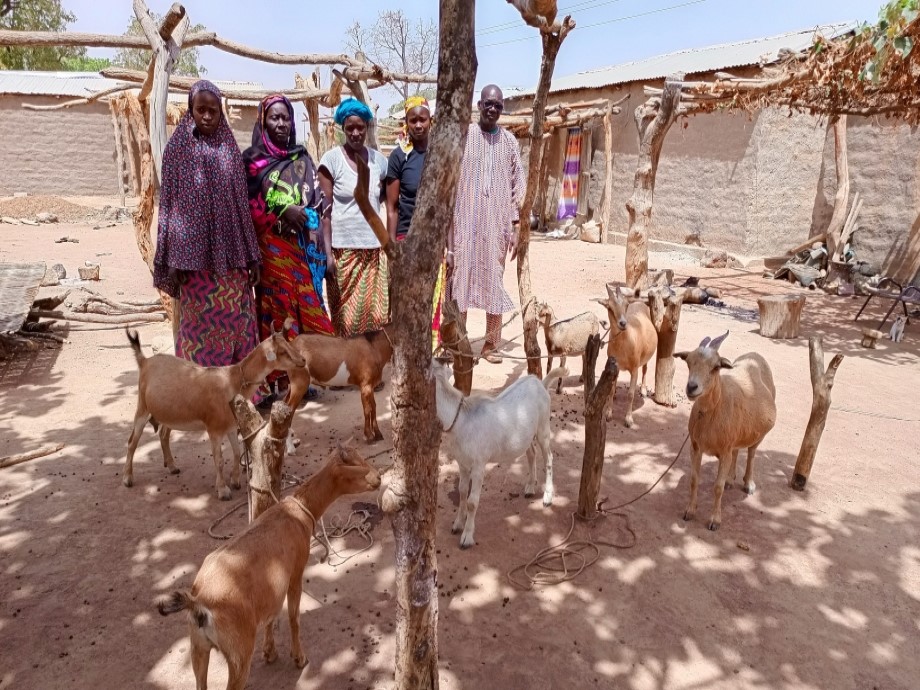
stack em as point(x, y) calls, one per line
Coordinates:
point(730, 411)
point(480, 429)
point(567, 337)
point(633, 341)
point(174, 393)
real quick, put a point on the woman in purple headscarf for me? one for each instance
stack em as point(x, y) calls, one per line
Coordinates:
point(207, 254)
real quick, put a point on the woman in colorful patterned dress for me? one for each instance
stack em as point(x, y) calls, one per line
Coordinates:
point(286, 204)
point(356, 266)
point(207, 255)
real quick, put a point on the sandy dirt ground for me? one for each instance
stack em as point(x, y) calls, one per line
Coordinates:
point(819, 589)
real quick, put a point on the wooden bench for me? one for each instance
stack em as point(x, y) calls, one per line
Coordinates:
point(889, 288)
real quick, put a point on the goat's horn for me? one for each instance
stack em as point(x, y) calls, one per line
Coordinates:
point(718, 341)
point(613, 287)
point(704, 342)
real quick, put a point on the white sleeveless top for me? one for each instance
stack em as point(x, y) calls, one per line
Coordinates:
point(349, 229)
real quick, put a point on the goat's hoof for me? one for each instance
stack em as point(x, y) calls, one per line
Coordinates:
point(713, 525)
point(127, 481)
point(174, 470)
point(630, 423)
point(465, 544)
point(224, 493)
point(235, 483)
point(300, 661)
point(547, 500)
point(270, 656)
point(750, 488)
point(688, 516)
point(528, 493)
point(456, 529)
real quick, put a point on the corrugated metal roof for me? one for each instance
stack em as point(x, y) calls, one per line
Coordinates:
point(82, 84)
point(759, 51)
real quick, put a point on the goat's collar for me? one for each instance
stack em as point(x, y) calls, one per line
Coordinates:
point(244, 382)
point(456, 415)
point(296, 501)
point(387, 336)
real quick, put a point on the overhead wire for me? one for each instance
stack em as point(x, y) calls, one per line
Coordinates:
point(588, 5)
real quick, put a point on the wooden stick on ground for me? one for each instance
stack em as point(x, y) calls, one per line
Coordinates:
point(821, 384)
point(595, 438)
point(11, 460)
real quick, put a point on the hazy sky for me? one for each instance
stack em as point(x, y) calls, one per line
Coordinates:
point(608, 31)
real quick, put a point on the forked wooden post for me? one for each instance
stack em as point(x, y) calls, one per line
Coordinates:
point(591, 351)
point(821, 384)
point(665, 307)
point(592, 466)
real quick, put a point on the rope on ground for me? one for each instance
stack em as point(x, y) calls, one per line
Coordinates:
point(877, 415)
point(569, 558)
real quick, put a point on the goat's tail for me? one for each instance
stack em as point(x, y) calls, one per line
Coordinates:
point(182, 600)
point(551, 377)
point(135, 341)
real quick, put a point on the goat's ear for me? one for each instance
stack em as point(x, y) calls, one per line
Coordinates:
point(600, 300)
point(725, 364)
point(681, 355)
point(270, 354)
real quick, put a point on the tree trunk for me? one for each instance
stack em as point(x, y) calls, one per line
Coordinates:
point(119, 155)
point(780, 315)
point(551, 45)
point(363, 94)
point(606, 206)
point(410, 497)
point(454, 336)
point(653, 119)
point(821, 384)
point(592, 466)
point(665, 306)
point(842, 197)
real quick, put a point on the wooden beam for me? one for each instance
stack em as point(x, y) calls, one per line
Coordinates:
point(119, 154)
point(592, 465)
point(607, 205)
point(80, 101)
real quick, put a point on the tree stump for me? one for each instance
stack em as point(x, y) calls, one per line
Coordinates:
point(595, 438)
point(821, 384)
point(266, 444)
point(870, 336)
point(780, 315)
point(665, 306)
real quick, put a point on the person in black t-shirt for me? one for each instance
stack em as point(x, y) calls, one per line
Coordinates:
point(404, 174)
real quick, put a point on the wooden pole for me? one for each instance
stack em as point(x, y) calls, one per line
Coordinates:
point(312, 106)
point(821, 384)
point(607, 205)
point(166, 43)
point(665, 307)
point(653, 120)
point(11, 460)
point(551, 45)
point(266, 443)
point(842, 196)
point(119, 154)
point(592, 349)
point(453, 334)
point(592, 465)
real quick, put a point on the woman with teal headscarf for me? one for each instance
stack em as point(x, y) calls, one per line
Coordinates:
point(356, 268)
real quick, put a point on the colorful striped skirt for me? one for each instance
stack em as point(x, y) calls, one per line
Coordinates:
point(359, 297)
point(217, 325)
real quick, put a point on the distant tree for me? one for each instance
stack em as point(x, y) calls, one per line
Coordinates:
point(85, 63)
point(187, 65)
point(398, 44)
point(428, 91)
point(36, 15)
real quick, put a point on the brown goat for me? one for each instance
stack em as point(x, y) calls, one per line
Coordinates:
point(241, 586)
point(333, 361)
point(731, 410)
point(633, 340)
point(174, 393)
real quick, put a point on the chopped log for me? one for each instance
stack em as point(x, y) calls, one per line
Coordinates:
point(592, 349)
point(607, 205)
point(821, 384)
point(807, 244)
point(45, 451)
point(653, 120)
point(455, 338)
point(665, 306)
point(99, 318)
point(551, 44)
point(869, 337)
point(780, 315)
point(592, 465)
point(842, 197)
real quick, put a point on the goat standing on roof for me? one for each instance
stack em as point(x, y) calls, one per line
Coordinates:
point(731, 410)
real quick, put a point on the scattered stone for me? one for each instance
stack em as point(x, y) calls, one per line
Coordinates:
point(714, 259)
point(60, 271)
point(89, 272)
point(590, 232)
point(66, 239)
point(51, 278)
point(10, 220)
point(744, 546)
point(26, 221)
point(46, 217)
